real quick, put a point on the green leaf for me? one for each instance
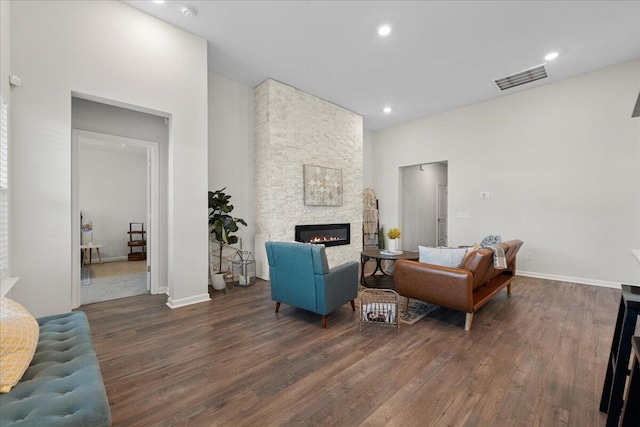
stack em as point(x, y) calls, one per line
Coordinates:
point(221, 224)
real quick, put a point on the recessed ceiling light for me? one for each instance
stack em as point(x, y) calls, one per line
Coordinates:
point(384, 30)
point(188, 11)
point(552, 55)
point(387, 110)
point(158, 1)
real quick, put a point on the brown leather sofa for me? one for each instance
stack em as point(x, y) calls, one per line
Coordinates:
point(466, 288)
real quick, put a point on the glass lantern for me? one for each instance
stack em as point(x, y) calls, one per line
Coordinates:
point(244, 268)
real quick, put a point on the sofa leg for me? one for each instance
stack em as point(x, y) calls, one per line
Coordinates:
point(277, 306)
point(509, 289)
point(467, 322)
point(406, 305)
point(353, 305)
point(324, 321)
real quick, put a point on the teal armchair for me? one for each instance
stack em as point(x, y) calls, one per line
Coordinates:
point(300, 277)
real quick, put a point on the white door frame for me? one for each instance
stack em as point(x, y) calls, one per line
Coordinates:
point(446, 213)
point(77, 136)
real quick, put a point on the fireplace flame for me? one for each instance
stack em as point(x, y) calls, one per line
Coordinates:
point(320, 239)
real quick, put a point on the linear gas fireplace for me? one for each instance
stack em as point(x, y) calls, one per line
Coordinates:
point(325, 234)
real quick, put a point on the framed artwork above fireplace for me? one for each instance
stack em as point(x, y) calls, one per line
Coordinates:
point(322, 186)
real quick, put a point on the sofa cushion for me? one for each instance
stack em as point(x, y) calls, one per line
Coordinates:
point(18, 341)
point(445, 257)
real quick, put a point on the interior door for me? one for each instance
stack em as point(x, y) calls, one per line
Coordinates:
point(441, 215)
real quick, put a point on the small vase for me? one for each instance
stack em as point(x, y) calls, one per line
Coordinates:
point(393, 245)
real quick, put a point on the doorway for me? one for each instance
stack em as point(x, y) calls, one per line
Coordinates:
point(424, 205)
point(114, 202)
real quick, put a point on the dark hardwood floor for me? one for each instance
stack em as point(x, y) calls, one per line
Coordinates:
point(537, 358)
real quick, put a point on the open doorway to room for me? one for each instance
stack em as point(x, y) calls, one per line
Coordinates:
point(113, 195)
point(116, 199)
point(424, 205)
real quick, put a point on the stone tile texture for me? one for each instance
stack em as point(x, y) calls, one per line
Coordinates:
point(294, 128)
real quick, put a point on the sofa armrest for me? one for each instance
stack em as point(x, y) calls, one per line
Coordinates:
point(337, 287)
point(444, 286)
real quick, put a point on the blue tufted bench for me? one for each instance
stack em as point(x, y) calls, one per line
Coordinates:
point(63, 385)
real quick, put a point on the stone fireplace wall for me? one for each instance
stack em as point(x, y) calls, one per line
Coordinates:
point(294, 128)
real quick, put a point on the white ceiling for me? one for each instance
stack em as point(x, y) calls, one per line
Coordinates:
point(439, 56)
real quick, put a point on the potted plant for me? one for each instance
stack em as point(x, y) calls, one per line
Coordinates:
point(393, 234)
point(221, 225)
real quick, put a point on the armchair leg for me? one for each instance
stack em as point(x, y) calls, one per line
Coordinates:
point(467, 322)
point(324, 321)
point(353, 305)
point(277, 306)
point(509, 289)
point(406, 305)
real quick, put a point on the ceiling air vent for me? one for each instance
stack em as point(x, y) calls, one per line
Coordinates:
point(523, 77)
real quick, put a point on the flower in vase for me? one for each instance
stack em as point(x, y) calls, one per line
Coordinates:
point(394, 233)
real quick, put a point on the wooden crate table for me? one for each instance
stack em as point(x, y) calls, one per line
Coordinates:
point(383, 280)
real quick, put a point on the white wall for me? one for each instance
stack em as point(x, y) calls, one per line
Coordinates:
point(231, 141)
point(419, 194)
point(561, 163)
point(112, 120)
point(112, 192)
point(111, 51)
point(5, 49)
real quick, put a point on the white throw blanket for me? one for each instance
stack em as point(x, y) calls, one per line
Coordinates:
point(493, 243)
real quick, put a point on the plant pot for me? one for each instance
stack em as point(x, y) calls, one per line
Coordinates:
point(393, 244)
point(217, 281)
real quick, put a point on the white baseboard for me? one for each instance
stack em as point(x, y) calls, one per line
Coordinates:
point(580, 280)
point(163, 290)
point(171, 303)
